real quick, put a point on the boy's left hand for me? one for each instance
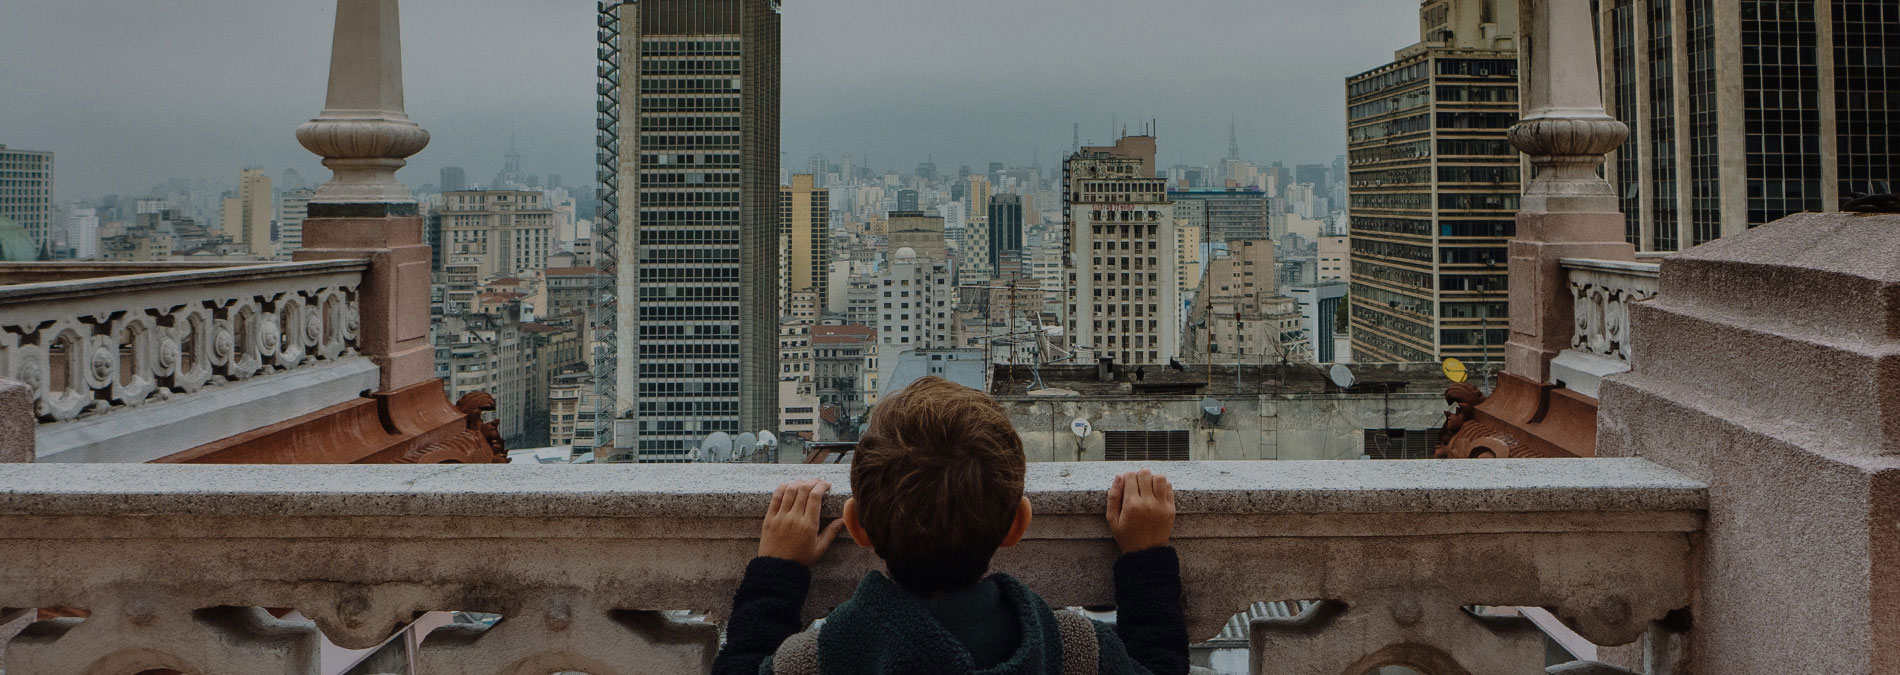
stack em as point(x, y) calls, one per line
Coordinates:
point(791, 527)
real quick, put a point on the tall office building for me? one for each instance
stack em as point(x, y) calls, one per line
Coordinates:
point(1434, 188)
point(26, 192)
point(496, 233)
point(805, 232)
point(1005, 243)
point(1314, 175)
point(1123, 297)
point(247, 216)
point(1743, 112)
point(293, 207)
point(454, 179)
point(979, 193)
point(82, 232)
point(690, 146)
point(906, 200)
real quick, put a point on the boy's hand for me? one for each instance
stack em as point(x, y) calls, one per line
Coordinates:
point(1140, 510)
point(791, 527)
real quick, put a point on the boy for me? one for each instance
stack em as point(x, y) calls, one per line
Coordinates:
point(937, 487)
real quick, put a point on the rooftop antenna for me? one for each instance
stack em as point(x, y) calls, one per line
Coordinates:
point(1233, 139)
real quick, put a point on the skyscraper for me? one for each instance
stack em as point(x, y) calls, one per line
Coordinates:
point(1123, 298)
point(805, 228)
point(1732, 124)
point(1006, 235)
point(692, 93)
point(26, 191)
point(1434, 188)
point(247, 216)
point(293, 207)
point(497, 233)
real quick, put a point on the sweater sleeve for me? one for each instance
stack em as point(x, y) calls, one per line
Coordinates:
point(1148, 616)
point(764, 613)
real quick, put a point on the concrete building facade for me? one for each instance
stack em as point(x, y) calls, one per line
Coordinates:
point(247, 216)
point(1005, 245)
point(26, 191)
point(503, 233)
point(1434, 187)
point(293, 207)
point(805, 233)
point(697, 221)
point(1123, 300)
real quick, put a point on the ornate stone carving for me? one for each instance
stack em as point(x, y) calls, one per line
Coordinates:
point(175, 336)
point(1601, 294)
point(1464, 436)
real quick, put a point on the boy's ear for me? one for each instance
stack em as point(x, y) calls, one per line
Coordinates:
point(1019, 526)
point(852, 525)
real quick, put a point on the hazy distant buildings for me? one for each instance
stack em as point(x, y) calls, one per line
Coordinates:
point(1434, 188)
point(1227, 213)
point(1238, 317)
point(247, 216)
point(1741, 113)
point(82, 232)
point(921, 233)
point(501, 233)
point(906, 200)
point(805, 232)
point(293, 207)
point(1123, 299)
point(26, 191)
point(454, 179)
point(696, 221)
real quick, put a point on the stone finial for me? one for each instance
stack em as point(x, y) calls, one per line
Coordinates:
point(1564, 128)
point(363, 134)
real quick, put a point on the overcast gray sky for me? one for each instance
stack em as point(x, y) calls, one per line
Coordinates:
point(132, 93)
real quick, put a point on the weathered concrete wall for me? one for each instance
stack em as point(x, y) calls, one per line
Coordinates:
point(17, 425)
point(1769, 366)
point(1300, 426)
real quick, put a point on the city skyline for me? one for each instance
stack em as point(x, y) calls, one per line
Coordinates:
point(891, 98)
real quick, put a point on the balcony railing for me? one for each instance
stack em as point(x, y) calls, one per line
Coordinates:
point(584, 563)
point(1601, 293)
point(104, 338)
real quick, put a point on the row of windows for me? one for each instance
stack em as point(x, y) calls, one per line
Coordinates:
point(1383, 81)
point(671, 275)
point(1477, 174)
point(691, 85)
point(705, 123)
point(1390, 104)
point(650, 159)
point(1420, 149)
point(1489, 147)
point(665, 47)
point(713, 219)
point(721, 254)
point(655, 236)
point(674, 104)
point(689, 66)
point(721, 179)
point(715, 369)
point(1422, 254)
point(1470, 93)
point(652, 350)
point(720, 198)
point(668, 141)
point(1389, 128)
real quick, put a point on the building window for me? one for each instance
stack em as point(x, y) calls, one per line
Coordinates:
point(1135, 446)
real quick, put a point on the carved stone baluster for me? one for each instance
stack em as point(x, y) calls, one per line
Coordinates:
point(142, 634)
point(558, 636)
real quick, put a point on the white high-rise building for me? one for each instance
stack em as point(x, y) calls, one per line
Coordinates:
point(26, 191)
point(82, 232)
point(293, 206)
point(916, 301)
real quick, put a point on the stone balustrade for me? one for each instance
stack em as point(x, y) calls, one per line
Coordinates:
point(88, 345)
point(1601, 292)
point(585, 562)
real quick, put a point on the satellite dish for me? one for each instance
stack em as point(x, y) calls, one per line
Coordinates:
point(767, 439)
point(1212, 409)
point(1081, 427)
point(1342, 376)
point(1455, 370)
point(746, 442)
point(716, 448)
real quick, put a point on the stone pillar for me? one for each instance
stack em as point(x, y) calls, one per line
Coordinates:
point(18, 425)
point(1768, 366)
point(364, 136)
point(1568, 210)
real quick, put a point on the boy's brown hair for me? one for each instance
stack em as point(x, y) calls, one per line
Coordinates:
point(937, 477)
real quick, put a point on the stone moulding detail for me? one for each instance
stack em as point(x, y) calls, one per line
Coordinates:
point(124, 345)
point(589, 557)
point(1601, 297)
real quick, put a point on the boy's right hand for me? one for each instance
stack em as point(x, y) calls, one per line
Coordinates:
point(791, 530)
point(1140, 510)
